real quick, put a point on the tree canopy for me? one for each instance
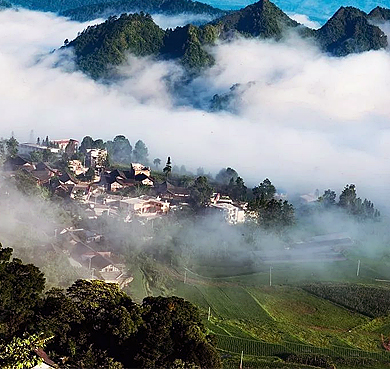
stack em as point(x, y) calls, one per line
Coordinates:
point(94, 324)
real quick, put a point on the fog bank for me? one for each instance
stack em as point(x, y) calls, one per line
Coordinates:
point(301, 118)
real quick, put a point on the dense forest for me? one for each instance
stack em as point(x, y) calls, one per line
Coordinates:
point(95, 325)
point(168, 7)
point(101, 47)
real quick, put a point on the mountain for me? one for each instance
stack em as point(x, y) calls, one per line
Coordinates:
point(187, 43)
point(319, 11)
point(98, 47)
point(379, 14)
point(349, 31)
point(105, 45)
point(262, 19)
point(169, 7)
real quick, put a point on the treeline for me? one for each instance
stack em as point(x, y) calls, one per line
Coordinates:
point(169, 7)
point(103, 46)
point(119, 150)
point(350, 203)
point(95, 325)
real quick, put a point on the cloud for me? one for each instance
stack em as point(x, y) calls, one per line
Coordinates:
point(305, 20)
point(307, 121)
point(173, 21)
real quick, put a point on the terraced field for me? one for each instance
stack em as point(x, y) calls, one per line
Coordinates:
point(248, 315)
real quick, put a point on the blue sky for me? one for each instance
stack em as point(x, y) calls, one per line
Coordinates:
point(316, 10)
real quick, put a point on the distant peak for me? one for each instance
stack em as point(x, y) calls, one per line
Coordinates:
point(348, 11)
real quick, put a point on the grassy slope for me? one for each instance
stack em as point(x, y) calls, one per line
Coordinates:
point(244, 306)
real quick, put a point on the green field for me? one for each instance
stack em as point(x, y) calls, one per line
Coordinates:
point(266, 321)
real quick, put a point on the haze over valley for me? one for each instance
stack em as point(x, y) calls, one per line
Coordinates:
point(189, 185)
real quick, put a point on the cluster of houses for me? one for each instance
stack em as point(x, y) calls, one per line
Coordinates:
point(101, 193)
point(91, 255)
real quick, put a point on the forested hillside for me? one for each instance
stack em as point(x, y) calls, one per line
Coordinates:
point(100, 47)
point(168, 7)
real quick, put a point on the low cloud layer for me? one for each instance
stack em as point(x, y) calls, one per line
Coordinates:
point(303, 119)
point(166, 21)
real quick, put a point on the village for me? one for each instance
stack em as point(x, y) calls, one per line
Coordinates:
point(124, 194)
point(137, 194)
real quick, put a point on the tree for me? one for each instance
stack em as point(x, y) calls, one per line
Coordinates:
point(20, 352)
point(200, 171)
point(173, 330)
point(20, 289)
point(36, 156)
point(27, 184)
point(92, 323)
point(168, 167)
point(99, 144)
point(264, 191)
point(201, 191)
point(328, 199)
point(237, 189)
point(140, 152)
point(272, 214)
point(88, 176)
point(225, 175)
point(3, 150)
point(86, 143)
point(354, 205)
point(157, 162)
point(12, 147)
point(120, 150)
point(348, 198)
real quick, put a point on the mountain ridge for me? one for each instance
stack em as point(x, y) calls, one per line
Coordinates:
point(348, 31)
point(168, 7)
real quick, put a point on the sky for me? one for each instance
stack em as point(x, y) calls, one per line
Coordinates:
point(316, 10)
point(299, 117)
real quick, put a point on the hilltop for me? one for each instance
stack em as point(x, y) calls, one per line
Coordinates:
point(169, 7)
point(349, 31)
point(379, 14)
point(104, 45)
point(262, 19)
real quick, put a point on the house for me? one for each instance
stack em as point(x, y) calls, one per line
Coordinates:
point(42, 176)
point(95, 158)
point(102, 264)
point(145, 207)
point(43, 173)
point(231, 213)
point(169, 192)
point(67, 178)
point(224, 204)
point(76, 166)
point(69, 146)
point(13, 164)
point(118, 179)
point(310, 198)
point(45, 166)
point(26, 149)
point(79, 191)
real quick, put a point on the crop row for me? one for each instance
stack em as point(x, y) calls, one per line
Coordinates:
point(259, 348)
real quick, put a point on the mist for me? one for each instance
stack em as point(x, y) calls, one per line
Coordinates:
point(302, 118)
point(173, 21)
